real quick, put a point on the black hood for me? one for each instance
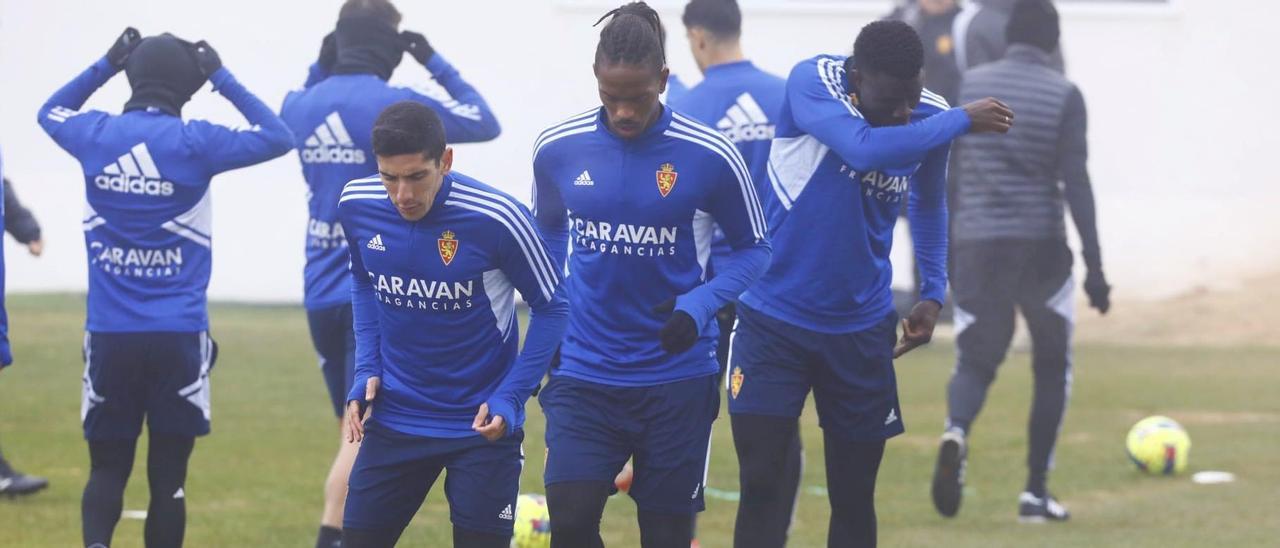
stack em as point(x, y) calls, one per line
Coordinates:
point(367, 46)
point(163, 73)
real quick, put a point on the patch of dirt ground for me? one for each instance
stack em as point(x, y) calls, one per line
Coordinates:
point(1247, 315)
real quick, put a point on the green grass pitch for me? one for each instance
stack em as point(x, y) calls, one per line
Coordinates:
point(257, 480)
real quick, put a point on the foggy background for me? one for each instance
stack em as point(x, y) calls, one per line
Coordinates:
point(1178, 95)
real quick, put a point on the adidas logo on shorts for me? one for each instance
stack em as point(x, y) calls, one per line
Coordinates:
point(134, 173)
point(893, 416)
point(584, 180)
point(331, 144)
point(376, 243)
point(506, 514)
point(745, 121)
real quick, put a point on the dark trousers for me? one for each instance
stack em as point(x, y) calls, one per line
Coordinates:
point(992, 281)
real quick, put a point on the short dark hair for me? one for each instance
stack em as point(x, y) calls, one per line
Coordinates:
point(721, 18)
point(408, 127)
point(381, 10)
point(1034, 22)
point(633, 36)
point(888, 47)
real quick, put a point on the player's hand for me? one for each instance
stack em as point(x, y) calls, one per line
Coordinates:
point(123, 46)
point(492, 428)
point(415, 44)
point(1099, 292)
point(207, 58)
point(680, 332)
point(917, 328)
point(989, 116)
point(328, 51)
point(36, 247)
point(358, 412)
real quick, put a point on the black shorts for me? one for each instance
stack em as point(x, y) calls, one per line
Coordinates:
point(334, 338)
point(162, 377)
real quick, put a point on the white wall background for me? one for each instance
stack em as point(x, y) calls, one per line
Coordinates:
point(1179, 98)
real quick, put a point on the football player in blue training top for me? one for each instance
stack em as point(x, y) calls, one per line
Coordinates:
point(856, 136)
point(436, 258)
point(638, 188)
point(331, 119)
point(146, 229)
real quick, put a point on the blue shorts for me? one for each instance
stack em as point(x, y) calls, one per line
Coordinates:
point(592, 429)
point(394, 471)
point(160, 377)
point(334, 338)
point(774, 364)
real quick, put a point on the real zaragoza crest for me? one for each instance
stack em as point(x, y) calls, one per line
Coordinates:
point(666, 179)
point(735, 382)
point(448, 247)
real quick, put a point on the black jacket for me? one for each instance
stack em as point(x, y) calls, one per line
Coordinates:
point(18, 220)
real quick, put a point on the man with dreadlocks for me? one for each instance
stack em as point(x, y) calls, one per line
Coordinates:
point(638, 188)
point(853, 135)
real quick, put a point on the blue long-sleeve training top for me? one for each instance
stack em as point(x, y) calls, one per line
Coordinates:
point(434, 306)
point(636, 217)
point(332, 120)
point(742, 102)
point(838, 184)
point(147, 225)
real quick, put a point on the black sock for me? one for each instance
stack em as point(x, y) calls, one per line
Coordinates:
point(1036, 484)
point(769, 474)
point(110, 463)
point(329, 537)
point(659, 530)
point(465, 538)
point(167, 457)
point(576, 507)
point(851, 487)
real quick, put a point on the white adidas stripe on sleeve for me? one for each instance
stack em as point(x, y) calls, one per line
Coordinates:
point(507, 213)
point(829, 72)
point(726, 150)
point(578, 124)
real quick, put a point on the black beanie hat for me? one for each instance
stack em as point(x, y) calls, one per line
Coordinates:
point(163, 73)
point(367, 46)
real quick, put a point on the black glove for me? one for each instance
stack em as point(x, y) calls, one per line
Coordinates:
point(206, 58)
point(415, 44)
point(328, 51)
point(680, 331)
point(1095, 286)
point(119, 52)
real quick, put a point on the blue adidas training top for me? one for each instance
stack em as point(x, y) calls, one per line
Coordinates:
point(332, 121)
point(434, 306)
point(147, 225)
point(837, 186)
point(636, 217)
point(742, 102)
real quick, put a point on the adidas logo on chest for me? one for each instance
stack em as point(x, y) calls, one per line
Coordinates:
point(330, 143)
point(134, 172)
point(375, 243)
point(584, 180)
point(745, 121)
